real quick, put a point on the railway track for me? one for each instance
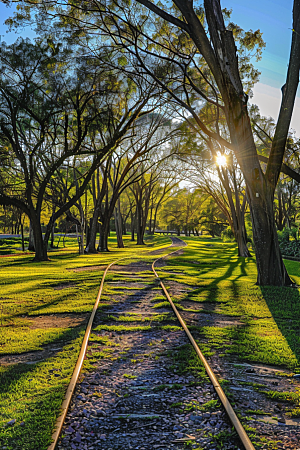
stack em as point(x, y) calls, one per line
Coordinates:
point(132, 399)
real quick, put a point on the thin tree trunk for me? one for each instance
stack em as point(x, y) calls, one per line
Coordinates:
point(52, 236)
point(22, 235)
point(91, 248)
point(118, 225)
point(103, 238)
point(132, 225)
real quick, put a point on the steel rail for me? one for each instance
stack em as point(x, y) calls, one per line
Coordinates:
point(228, 408)
point(68, 396)
point(71, 387)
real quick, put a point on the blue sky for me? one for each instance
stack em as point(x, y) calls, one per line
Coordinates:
point(274, 19)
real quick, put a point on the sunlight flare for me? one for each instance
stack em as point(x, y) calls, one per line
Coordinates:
point(221, 160)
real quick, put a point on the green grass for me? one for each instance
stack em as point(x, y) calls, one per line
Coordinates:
point(33, 393)
point(269, 317)
point(267, 330)
point(132, 317)
point(129, 376)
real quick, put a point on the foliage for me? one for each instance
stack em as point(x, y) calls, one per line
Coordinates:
point(289, 247)
point(227, 235)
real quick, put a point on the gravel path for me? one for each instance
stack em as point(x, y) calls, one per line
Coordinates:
point(136, 397)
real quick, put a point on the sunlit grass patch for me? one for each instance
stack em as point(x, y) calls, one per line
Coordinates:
point(131, 317)
point(24, 340)
point(270, 317)
point(122, 328)
point(33, 394)
point(170, 328)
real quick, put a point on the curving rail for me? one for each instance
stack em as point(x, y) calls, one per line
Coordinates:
point(69, 393)
point(225, 402)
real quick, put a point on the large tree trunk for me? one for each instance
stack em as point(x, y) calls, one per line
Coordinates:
point(91, 247)
point(103, 238)
point(270, 267)
point(31, 239)
point(39, 245)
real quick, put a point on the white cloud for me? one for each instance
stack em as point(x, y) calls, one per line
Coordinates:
point(268, 100)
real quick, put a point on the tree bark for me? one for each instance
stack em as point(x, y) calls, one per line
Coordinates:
point(39, 245)
point(132, 225)
point(52, 236)
point(103, 238)
point(139, 225)
point(31, 239)
point(22, 235)
point(118, 224)
point(91, 247)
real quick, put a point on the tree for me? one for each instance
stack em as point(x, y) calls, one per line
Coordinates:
point(216, 46)
point(49, 116)
point(208, 54)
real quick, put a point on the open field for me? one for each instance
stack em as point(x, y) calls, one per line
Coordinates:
point(41, 304)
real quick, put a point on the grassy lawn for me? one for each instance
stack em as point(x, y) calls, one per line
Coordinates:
point(31, 391)
point(270, 316)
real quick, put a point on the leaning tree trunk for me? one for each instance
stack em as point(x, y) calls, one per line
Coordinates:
point(223, 61)
point(270, 266)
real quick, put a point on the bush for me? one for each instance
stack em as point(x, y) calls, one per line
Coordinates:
point(284, 235)
point(291, 248)
point(227, 235)
point(294, 233)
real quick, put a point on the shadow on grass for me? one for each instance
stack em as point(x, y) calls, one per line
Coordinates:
point(33, 393)
point(284, 306)
point(230, 264)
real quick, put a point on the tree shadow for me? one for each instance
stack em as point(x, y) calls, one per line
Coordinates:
point(33, 393)
point(284, 306)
